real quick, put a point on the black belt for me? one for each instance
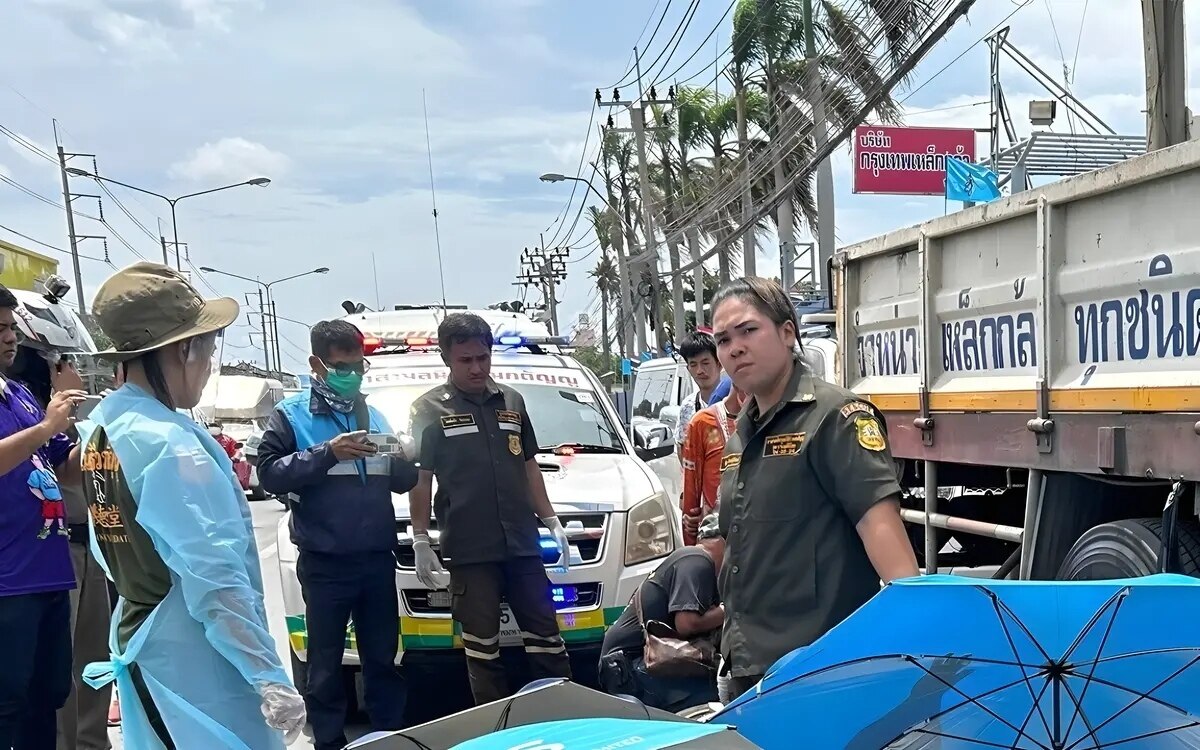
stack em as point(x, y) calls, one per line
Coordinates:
point(79, 532)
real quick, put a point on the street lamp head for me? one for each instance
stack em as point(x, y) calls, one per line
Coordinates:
point(76, 171)
point(259, 181)
point(206, 269)
point(552, 177)
point(322, 269)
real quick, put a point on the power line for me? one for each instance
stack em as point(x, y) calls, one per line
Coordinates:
point(711, 204)
point(126, 211)
point(702, 46)
point(633, 68)
point(48, 246)
point(575, 183)
point(676, 37)
point(28, 145)
point(951, 11)
point(962, 54)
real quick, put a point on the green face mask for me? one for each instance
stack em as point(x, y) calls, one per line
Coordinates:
point(347, 384)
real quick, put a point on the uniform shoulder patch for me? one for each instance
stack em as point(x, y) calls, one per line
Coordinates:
point(870, 435)
point(857, 407)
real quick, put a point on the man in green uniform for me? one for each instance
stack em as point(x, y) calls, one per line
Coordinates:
point(809, 492)
point(476, 438)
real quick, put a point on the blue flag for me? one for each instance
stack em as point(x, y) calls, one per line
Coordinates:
point(970, 182)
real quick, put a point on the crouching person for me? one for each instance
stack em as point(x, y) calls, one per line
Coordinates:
point(678, 600)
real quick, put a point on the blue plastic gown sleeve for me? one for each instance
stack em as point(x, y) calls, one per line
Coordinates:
point(190, 509)
point(282, 468)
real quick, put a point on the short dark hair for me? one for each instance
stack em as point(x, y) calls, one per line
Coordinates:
point(696, 344)
point(8, 300)
point(459, 328)
point(329, 335)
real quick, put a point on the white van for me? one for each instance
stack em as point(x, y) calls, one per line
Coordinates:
point(620, 518)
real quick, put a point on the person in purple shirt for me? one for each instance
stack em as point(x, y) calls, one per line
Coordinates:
point(35, 568)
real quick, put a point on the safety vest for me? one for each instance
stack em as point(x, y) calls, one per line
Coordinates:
point(313, 428)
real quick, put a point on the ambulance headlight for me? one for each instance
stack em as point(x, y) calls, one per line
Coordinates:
point(648, 531)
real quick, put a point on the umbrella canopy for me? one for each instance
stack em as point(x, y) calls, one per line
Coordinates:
point(948, 663)
point(541, 701)
point(627, 734)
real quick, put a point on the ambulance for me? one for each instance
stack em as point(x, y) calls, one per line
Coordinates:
point(618, 506)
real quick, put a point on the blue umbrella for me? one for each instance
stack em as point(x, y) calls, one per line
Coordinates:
point(948, 663)
point(626, 734)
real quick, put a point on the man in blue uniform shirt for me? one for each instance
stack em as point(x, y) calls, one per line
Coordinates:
point(344, 526)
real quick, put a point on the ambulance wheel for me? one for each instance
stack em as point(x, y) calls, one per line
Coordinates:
point(1129, 549)
point(299, 673)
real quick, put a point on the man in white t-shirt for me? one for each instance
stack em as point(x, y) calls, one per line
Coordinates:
point(699, 351)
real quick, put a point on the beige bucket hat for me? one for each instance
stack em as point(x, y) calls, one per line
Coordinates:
point(147, 306)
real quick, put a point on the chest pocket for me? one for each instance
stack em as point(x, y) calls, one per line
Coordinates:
point(782, 485)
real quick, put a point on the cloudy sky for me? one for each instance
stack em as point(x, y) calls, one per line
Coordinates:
point(325, 99)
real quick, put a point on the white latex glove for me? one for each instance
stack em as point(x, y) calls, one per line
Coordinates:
point(430, 572)
point(408, 447)
point(284, 709)
point(560, 538)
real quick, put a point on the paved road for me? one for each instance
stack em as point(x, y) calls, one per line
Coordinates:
point(266, 517)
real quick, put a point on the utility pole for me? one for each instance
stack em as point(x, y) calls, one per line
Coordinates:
point(825, 209)
point(1166, 73)
point(262, 319)
point(68, 196)
point(275, 333)
point(649, 255)
point(545, 269)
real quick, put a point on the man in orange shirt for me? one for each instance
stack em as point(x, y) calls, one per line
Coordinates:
point(703, 444)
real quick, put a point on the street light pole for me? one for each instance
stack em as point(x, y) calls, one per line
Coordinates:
point(268, 308)
point(256, 182)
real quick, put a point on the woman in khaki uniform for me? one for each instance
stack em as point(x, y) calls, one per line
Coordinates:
point(809, 497)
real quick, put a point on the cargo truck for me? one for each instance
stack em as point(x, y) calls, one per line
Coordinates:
point(1043, 349)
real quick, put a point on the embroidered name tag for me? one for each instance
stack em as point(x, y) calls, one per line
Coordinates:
point(855, 407)
point(783, 445)
point(459, 424)
point(732, 461)
point(509, 420)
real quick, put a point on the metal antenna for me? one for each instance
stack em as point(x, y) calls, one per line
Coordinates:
point(433, 192)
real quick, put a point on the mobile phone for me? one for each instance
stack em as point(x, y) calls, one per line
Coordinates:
point(84, 407)
point(385, 442)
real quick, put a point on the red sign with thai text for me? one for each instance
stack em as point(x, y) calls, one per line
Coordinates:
point(907, 161)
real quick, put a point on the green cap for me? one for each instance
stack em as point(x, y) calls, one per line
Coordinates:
point(147, 306)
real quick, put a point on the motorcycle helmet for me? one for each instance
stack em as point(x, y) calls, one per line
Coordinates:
point(45, 323)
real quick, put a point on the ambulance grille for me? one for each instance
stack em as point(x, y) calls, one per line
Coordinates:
point(585, 530)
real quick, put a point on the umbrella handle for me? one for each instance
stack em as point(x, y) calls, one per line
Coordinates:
point(1170, 517)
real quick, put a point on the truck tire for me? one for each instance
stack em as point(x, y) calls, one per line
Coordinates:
point(1129, 549)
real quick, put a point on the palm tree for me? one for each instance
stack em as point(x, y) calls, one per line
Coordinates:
point(605, 273)
point(691, 110)
point(775, 50)
point(667, 180)
point(616, 157)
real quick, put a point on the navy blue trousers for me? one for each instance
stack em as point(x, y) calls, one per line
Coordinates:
point(337, 588)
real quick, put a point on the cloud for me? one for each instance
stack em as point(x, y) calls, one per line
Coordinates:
point(28, 149)
point(230, 159)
